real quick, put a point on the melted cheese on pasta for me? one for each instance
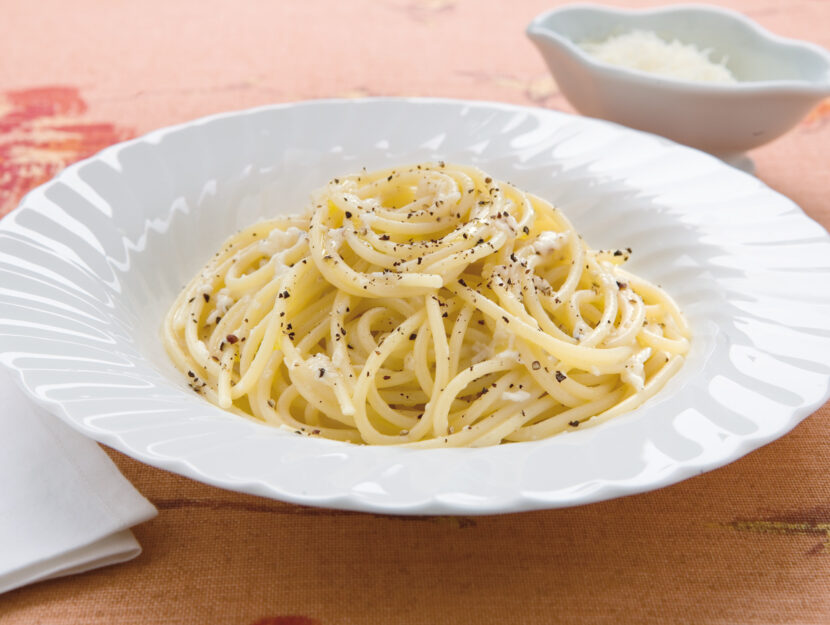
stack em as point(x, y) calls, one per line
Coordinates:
point(428, 305)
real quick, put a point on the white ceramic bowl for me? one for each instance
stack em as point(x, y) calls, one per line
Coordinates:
point(91, 261)
point(780, 80)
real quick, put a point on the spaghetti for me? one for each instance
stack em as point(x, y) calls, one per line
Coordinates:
point(430, 306)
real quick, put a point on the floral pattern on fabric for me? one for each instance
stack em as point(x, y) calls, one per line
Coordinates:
point(42, 130)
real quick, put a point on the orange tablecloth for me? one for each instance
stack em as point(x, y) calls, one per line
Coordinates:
point(749, 543)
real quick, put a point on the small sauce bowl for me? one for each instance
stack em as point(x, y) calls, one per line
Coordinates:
point(779, 80)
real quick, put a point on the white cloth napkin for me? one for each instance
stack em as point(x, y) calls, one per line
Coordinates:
point(64, 506)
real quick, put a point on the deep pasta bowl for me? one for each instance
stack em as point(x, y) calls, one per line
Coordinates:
point(91, 261)
point(779, 80)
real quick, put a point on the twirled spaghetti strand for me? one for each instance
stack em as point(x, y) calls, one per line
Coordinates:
point(429, 306)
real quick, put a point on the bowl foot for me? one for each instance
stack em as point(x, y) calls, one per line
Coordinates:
point(738, 160)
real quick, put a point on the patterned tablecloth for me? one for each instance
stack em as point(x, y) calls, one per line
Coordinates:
point(749, 543)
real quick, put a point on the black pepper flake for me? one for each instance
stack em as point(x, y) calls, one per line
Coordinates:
point(389, 178)
point(231, 338)
point(348, 215)
point(560, 376)
point(573, 424)
point(488, 180)
point(190, 301)
point(526, 230)
point(413, 336)
point(206, 296)
point(322, 372)
point(506, 320)
point(285, 294)
point(461, 282)
point(384, 237)
point(191, 374)
point(618, 253)
point(535, 365)
point(387, 377)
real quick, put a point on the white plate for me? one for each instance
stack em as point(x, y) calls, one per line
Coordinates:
point(91, 260)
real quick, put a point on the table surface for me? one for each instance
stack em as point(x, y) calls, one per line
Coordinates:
point(748, 543)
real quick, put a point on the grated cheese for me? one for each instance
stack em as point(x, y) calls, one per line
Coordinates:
point(644, 51)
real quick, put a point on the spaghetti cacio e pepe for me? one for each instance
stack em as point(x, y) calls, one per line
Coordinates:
point(427, 305)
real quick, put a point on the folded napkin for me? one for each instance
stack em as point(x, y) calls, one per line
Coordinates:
point(64, 506)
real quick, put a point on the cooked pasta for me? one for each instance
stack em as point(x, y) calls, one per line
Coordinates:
point(429, 306)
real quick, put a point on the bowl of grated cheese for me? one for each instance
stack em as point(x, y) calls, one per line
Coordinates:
point(703, 76)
